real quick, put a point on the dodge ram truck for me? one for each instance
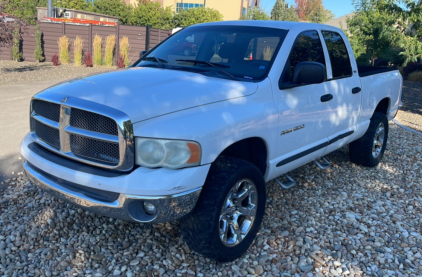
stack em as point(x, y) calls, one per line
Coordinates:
point(195, 138)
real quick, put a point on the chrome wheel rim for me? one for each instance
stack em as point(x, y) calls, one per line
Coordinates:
point(238, 213)
point(378, 140)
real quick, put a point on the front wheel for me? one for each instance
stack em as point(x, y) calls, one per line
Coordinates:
point(229, 211)
point(369, 149)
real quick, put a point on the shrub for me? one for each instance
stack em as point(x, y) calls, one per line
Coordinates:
point(410, 68)
point(98, 41)
point(16, 48)
point(39, 53)
point(121, 62)
point(78, 46)
point(124, 50)
point(64, 50)
point(415, 76)
point(55, 60)
point(109, 50)
point(88, 60)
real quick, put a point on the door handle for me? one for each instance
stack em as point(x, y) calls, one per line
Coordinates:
point(356, 90)
point(327, 97)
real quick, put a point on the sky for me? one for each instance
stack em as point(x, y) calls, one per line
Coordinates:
point(338, 7)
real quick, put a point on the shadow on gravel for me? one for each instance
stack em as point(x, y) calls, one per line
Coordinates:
point(9, 164)
point(412, 97)
point(25, 68)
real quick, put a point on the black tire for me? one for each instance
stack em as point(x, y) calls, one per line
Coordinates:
point(361, 150)
point(201, 229)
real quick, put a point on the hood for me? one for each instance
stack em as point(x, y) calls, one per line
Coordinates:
point(144, 93)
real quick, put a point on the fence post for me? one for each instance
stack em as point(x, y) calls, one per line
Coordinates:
point(90, 39)
point(116, 57)
point(63, 28)
point(147, 37)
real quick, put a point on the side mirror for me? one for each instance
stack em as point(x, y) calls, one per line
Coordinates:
point(308, 73)
point(142, 53)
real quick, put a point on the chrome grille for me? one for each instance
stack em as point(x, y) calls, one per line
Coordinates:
point(93, 122)
point(83, 130)
point(95, 150)
point(47, 134)
point(46, 109)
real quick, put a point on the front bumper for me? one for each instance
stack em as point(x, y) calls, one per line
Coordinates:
point(174, 193)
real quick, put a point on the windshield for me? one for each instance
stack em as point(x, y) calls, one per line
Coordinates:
point(232, 52)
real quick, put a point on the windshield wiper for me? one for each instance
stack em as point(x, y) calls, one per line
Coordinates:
point(215, 65)
point(155, 59)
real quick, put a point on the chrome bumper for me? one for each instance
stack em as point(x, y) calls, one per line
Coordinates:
point(126, 207)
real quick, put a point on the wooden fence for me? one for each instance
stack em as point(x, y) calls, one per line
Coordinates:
point(53, 31)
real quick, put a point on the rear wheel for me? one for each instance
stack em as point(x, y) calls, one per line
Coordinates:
point(369, 149)
point(229, 211)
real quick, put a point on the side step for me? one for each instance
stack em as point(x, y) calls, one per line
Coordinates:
point(323, 163)
point(288, 184)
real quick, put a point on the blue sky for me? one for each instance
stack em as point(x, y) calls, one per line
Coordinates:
point(334, 5)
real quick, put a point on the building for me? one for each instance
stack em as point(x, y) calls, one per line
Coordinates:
point(230, 9)
point(340, 22)
point(75, 14)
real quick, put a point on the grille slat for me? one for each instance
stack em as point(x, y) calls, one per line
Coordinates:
point(94, 150)
point(47, 109)
point(93, 122)
point(46, 134)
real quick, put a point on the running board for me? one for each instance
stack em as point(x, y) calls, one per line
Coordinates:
point(288, 184)
point(323, 164)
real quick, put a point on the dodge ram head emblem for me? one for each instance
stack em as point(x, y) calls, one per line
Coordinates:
point(64, 99)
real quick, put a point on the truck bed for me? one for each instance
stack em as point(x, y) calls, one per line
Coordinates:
point(365, 71)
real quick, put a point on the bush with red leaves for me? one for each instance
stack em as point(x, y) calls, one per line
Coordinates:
point(88, 60)
point(55, 60)
point(121, 62)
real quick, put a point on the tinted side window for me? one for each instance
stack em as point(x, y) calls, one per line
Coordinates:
point(307, 48)
point(340, 61)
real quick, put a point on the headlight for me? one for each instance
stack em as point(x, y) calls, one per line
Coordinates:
point(167, 153)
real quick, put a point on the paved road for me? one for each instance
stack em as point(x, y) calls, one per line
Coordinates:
point(14, 124)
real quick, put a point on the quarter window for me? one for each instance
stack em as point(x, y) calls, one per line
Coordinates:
point(340, 60)
point(307, 48)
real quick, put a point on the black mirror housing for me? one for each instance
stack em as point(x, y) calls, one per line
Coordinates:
point(142, 53)
point(308, 73)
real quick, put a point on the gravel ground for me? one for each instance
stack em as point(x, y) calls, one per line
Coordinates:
point(411, 112)
point(12, 73)
point(345, 221)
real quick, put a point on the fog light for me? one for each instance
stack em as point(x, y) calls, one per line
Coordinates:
point(149, 208)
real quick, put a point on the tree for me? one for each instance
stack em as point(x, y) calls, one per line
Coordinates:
point(114, 8)
point(73, 4)
point(281, 11)
point(39, 53)
point(189, 17)
point(154, 15)
point(312, 10)
point(16, 48)
point(256, 13)
point(372, 30)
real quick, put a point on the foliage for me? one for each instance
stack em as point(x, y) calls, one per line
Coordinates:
point(371, 30)
point(154, 15)
point(121, 62)
point(114, 8)
point(313, 11)
point(78, 45)
point(281, 11)
point(268, 53)
point(88, 60)
point(22, 9)
point(64, 50)
point(189, 17)
point(39, 53)
point(98, 41)
point(55, 60)
point(124, 47)
point(72, 4)
point(16, 48)
point(415, 76)
point(109, 50)
point(256, 13)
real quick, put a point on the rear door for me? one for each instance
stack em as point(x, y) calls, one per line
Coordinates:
point(344, 84)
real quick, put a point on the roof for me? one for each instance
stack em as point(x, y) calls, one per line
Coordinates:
point(84, 12)
point(340, 22)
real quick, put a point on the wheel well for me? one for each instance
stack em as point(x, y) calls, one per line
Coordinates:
point(383, 106)
point(253, 150)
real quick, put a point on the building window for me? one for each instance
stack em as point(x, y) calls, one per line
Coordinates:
point(187, 6)
point(244, 11)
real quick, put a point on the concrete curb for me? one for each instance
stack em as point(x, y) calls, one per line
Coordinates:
point(398, 123)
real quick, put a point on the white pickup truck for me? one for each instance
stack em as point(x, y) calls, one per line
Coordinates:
point(195, 136)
